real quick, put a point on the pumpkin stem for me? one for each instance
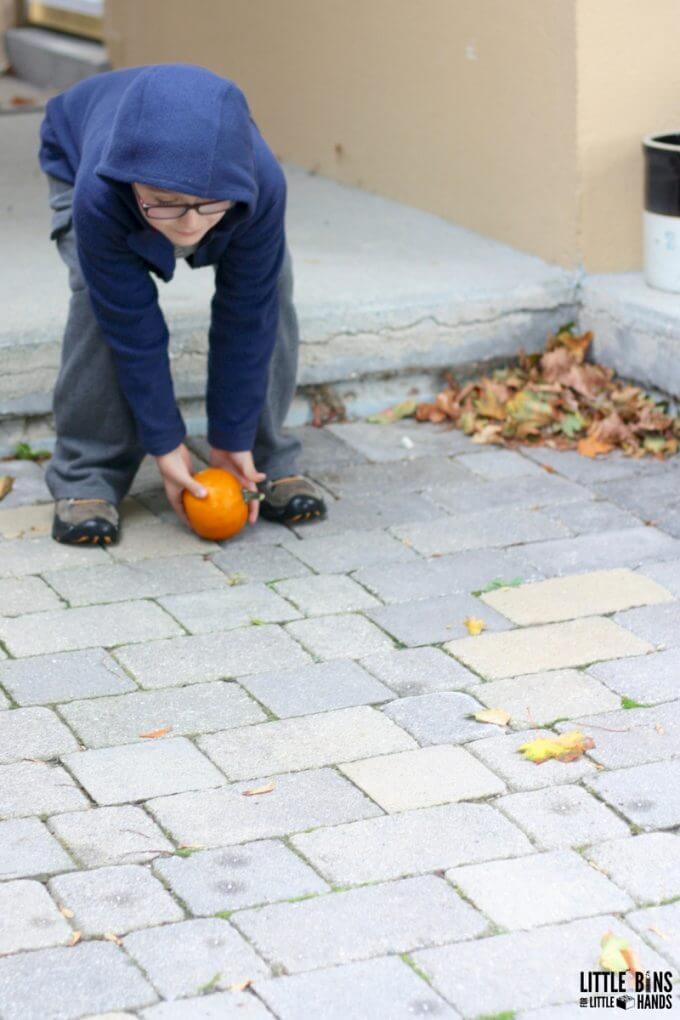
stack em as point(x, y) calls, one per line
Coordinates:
point(251, 497)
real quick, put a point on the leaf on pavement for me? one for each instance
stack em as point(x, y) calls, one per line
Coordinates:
point(406, 409)
point(498, 716)
point(474, 625)
point(592, 447)
point(617, 954)
point(6, 485)
point(566, 747)
point(112, 937)
point(240, 986)
point(76, 936)
point(260, 789)
point(154, 734)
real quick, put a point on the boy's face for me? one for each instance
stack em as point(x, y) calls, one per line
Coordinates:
point(191, 227)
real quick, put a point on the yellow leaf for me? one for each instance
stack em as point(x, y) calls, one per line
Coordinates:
point(566, 747)
point(592, 447)
point(617, 955)
point(474, 625)
point(498, 716)
point(112, 937)
point(240, 986)
point(65, 912)
point(76, 936)
point(260, 789)
point(6, 483)
point(154, 734)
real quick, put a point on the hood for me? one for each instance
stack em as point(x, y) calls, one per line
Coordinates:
point(185, 129)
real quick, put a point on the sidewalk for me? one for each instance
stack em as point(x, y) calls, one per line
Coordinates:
point(247, 777)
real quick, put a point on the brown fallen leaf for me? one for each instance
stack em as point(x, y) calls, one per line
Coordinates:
point(154, 734)
point(240, 986)
point(549, 468)
point(567, 747)
point(474, 625)
point(592, 447)
point(497, 716)
point(22, 101)
point(6, 485)
point(65, 912)
point(76, 936)
point(259, 790)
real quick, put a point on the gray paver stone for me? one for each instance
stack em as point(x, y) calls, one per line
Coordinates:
point(110, 835)
point(259, 563)
point(593, 516)
point(412, 671)
point(338, 554)
point(114, 775)
point(298, 801)
point(229, 607)
point(304, 742)
point(502, 756)
point(416, 474)
point(429, 621)
point(447, 575)
point(90, 626)
point(211, 657)
point(561, 817)
point(412, 842)
point(29, 484)
point(65, 983)
point(486, 528)
point(648, 795)
point(646, 866)
point(326, 593)
point(337, 683)
point(28, 849)
point(37, 788)
point(145, 579)
point(666, 574)
point(210, 881)
point(661, 927)
point(26, 595)
point(499, 464)
point(117, 899)
point(542, 697)
point(645, 678)
point(44, 679)
point(392, 917)
point(441, 718)
point(476, 496)
point(658, 624)
point(632, 736)
point(199, 708)
point(222, 1006)
point(347, 635)
point(508, 972)
point(623, 547)
point(348, 514)
point(569, 888)
point(383, 987)
point(33, 733)
point(22, 556)
point(29, 919)
point(182, 958)
point(160, 538)
point(385, 444)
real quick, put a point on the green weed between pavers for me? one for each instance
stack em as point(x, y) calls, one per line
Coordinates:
point(509, 1014)
point(224, 915)
point(415, 968)
point(497, 583)
point(632, 703)
point(210, 985)
point(24, 451)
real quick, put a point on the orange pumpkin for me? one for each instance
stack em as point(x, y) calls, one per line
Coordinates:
point(224, 510)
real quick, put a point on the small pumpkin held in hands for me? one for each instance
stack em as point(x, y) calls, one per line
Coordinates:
point(224, 511)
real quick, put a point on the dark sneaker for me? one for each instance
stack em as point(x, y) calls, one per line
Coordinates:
point(292, 500)
point(85, 522)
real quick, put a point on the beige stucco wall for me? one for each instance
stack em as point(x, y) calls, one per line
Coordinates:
point(464, 108)
point(521, 119)
point(628, 86)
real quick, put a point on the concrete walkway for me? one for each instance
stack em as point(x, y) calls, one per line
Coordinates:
point(244, 781)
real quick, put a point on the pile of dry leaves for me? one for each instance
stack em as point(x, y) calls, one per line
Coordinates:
point(557, 399)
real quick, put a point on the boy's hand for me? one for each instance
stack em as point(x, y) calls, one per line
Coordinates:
point(241, 465)
point(176, 468)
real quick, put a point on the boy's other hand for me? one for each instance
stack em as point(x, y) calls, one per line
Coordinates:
point(241, 464)
point(176, 471)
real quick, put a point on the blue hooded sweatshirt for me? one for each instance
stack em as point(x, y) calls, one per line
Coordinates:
point(185, 129)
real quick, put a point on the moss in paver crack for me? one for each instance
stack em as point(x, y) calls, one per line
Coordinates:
point(416, 969)
point(632, 703)
point(210, 985)
point(224, 915)
point(509, 1014)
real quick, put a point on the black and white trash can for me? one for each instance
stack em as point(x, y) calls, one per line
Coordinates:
point(662, 211)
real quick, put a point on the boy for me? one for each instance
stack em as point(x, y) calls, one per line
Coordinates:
point(145, 166)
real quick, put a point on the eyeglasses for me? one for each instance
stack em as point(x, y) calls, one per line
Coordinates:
point(175, 211)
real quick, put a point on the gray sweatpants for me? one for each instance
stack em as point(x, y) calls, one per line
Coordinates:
point(97, 452)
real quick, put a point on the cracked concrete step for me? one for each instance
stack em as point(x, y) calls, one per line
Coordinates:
point(381, 289)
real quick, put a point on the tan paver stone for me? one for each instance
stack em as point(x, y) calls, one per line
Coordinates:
point(539, 698)
point(64, 630)
point(551, 646)
point(26, 521)
point(423, 778)
point(564, 598)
